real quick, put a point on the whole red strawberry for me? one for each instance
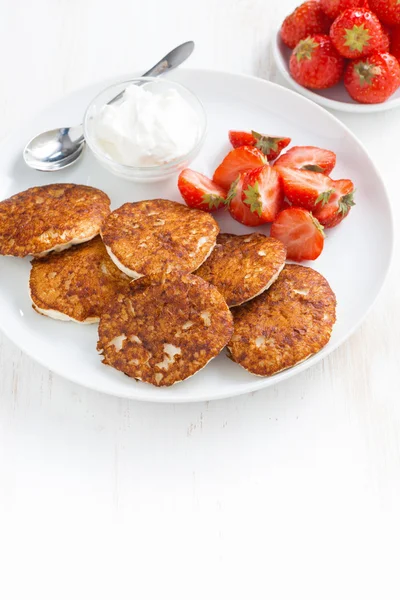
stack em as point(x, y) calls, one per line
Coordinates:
point(315, 63)
point(356, 32)
point(395, 42)
point(373, 79)
point(388, 11)
point(333, 8)
point(305, 20)
point(384, 46)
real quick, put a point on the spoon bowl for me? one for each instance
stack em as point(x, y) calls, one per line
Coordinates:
point(54, 149)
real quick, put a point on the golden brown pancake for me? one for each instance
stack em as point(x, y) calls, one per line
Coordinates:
point(284, 325)
point(156, 236)
point(51, 217)
point(77, 284)
point(164, 331)
point(243, 266)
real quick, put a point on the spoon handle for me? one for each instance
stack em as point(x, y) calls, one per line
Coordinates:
point(172, 60)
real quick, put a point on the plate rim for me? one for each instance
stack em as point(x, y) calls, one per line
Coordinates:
point(348, 107)
point(258, 383)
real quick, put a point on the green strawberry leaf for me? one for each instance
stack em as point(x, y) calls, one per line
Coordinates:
point(324, 197)
point(345, 203)
point(357, 38)
point(314, 168)
point(212, 200)
point(305, 48)
point(253, 198)
point(266, 143)
point(232, 192)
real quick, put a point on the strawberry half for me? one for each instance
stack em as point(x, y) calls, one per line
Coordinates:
point(238, 161)
point(263, 192)
point(337, 207)
point(308, 158)
point(301, 233)
point(305, 188)
point(238, 209)
point(198, 191)
point(269, 145)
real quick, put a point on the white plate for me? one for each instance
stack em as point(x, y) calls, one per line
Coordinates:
point(355, 260)
point(336, 97)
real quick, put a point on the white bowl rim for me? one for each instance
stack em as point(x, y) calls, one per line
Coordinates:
point(322, 100)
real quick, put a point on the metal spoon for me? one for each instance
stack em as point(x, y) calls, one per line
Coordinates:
point(59, 148)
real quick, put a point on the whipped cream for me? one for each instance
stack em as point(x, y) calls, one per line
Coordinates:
point(147, 128)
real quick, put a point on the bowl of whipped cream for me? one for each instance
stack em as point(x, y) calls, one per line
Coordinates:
point(145, 129)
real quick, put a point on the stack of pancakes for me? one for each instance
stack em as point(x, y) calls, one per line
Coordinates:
point(169, 292)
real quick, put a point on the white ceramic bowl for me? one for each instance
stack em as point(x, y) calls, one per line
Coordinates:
point(336, 97)
point(148, 174)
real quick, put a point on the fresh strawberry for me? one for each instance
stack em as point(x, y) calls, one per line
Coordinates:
point(315, 63)
point(269, 145)
point(305, 20)
point(337, 207)
point(305, 188)
point(356, 32)
point(373, 79)
point(238, 161)
point(384, 46)
point(239, 210)
point(388, 11)
point(333, 8)
point(198, 191)
point(309, 158)
point(263, 192)
point(301, 233)
point(395, 43)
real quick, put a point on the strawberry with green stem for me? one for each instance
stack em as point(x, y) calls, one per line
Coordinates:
point(332, 211)
point(238, 209)
point(305, 188)
point(263, 193)
point(356, 32)
point(373, 79)
point(269, 145)
point(198, 191)
point(315, 63)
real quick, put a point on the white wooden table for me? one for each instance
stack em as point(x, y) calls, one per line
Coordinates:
point(288, 493)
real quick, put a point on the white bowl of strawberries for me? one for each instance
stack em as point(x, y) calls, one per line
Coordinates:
point(343, 54)
point(292, 191)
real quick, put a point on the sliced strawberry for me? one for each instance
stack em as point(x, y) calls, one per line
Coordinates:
point(198, 191)
point(269, 145)
point(238, 209)
point(263, 192)
point(301, 233)
point(337, 207)
point(309, 158)
point(238, 161)
point(305, 188)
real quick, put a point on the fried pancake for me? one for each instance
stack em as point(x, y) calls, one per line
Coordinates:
point(51, 217)
point(155, 236)
point(284, 325)
point(164, 331)
point(243, 266)
point(77, 284)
